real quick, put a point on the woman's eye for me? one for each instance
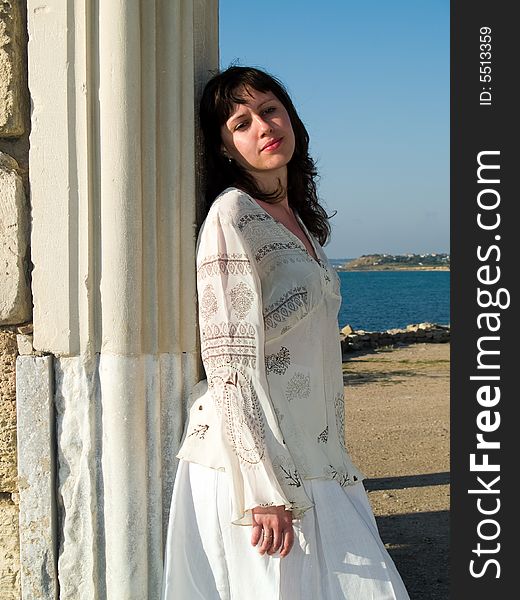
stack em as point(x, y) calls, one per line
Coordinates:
point(240, 126)
point(270, 109)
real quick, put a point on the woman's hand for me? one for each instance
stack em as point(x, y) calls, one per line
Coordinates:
point(273, 526)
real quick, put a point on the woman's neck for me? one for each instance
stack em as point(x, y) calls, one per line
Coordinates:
point(271, 182)
point(279, 208)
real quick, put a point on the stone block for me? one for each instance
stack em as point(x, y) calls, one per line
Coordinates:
point(25, 343)
point(26, 329)
point(36, 459)
point(9, 549)
point(15, 298)
point(11, 69)
point(8, 471)
point(347, 330)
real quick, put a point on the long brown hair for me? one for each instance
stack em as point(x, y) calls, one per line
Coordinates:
point(216, 105)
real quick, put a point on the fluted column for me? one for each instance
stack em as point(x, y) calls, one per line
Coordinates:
point(113, 174)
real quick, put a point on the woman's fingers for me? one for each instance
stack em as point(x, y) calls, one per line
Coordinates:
point(256, 534)
point(273, 540)
point(277, 540)
point(267, 541)
point(288, 541)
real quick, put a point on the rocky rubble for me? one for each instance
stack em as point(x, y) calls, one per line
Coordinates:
point(352, 340)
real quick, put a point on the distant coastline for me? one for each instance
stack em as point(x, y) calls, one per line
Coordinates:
point(397, 262)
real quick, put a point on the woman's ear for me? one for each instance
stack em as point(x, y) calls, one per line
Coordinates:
point(226, 154)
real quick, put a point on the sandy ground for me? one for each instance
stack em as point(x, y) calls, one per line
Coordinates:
point(397, 404)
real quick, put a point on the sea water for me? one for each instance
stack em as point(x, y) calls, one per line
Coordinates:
point(380, 300)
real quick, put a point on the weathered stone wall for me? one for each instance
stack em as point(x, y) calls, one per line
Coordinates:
point(15, 295)
point(9, 548)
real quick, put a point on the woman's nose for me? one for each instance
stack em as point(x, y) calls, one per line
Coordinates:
point(263, 125)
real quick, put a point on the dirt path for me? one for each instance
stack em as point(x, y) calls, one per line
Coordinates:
point(397, 404)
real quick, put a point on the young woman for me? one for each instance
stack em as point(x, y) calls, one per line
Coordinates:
point(267, 504)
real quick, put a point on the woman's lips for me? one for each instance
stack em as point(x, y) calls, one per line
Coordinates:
point(272, 145)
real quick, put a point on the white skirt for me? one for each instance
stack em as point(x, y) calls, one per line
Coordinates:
point(337, 551)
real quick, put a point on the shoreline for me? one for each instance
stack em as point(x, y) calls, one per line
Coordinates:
point(415, 333)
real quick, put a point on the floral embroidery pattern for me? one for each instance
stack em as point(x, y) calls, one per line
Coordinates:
point(299, 386)
point(339, 407)
point(291, 476)
point(288, 471)
point(279, 362)
point(241, 299)
point(233, 264)
point(228, 343)
point(343, 478)
point(273, 247)
point(280, 310)
point(251, 217)
point(324, 267)
point(208, 302)
point(237, 401)
point(324, 436)
point(199, 431)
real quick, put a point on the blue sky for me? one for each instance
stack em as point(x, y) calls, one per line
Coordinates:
point(370, 81)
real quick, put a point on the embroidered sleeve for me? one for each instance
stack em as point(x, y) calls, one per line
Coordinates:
point(231, 323)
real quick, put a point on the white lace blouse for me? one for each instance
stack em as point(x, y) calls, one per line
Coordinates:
point(271, 411)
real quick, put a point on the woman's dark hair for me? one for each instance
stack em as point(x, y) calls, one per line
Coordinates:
point(216, 105)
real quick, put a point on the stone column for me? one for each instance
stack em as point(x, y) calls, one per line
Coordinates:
point(113, 166)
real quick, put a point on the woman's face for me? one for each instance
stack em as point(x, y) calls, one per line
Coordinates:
point(258, 135)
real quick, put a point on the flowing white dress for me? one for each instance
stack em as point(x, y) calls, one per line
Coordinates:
point(267, 426)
